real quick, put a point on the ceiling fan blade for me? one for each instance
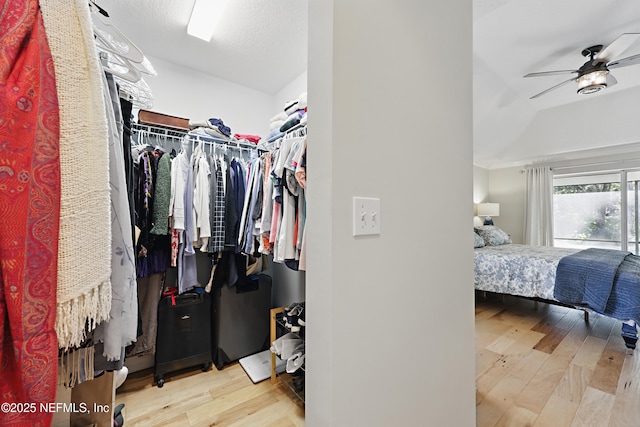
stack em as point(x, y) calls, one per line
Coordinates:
point(611, 81)
point(550, 73)
point(573, 79)
point(630, 60)
point(616, 47)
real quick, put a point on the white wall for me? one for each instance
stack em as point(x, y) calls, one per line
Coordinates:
point(480, 185)
point(391, 317)
point(507, 186)
point(480, 189)
point(183, 92)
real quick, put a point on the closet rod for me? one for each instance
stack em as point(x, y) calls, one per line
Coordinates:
point(165, 132)
point(158, 130)
point(295, 128)
point(289, 133)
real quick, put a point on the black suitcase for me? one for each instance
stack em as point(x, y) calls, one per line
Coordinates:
point(241, 319)
point(184, 333)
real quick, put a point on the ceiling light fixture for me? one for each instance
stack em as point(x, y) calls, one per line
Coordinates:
point(205, 17)
point(592, 82)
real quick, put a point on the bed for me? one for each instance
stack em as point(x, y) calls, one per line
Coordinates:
point(600, 280)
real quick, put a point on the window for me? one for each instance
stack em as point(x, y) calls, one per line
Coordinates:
point(633, 205)
point(590, 210)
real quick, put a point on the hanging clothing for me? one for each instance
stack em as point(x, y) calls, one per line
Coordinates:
point(179, 166)
point(201, 196)
point(84, 255)
point(187, 270)
point(152, 250)
point(162, 196)
point(29, 215)
point(126, 108)
point(267, 206)
point(120, 330)
point(216, 242)
point(245, 237)
point(232, 217)
point(149, 292)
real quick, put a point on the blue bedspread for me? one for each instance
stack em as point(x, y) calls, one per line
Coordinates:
point(604, 280)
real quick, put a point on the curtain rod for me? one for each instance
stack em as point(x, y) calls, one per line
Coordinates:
point(620, 163)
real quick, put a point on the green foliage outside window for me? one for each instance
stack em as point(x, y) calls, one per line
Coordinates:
point(603, 222)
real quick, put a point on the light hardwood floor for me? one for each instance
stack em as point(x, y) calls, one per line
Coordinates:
point(547, 367)
point(536, 367)
point(213, 398)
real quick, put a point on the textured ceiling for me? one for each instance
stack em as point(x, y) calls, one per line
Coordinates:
point(516, 37)
point(262, 44)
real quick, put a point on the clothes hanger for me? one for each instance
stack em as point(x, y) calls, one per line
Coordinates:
point(128, 72)
point(119, 62)
point(133, 53)
point(100, 10)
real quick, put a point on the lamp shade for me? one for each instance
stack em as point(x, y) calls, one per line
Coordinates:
point(488, 209)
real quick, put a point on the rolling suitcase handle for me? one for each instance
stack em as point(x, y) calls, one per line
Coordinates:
point(171, 291)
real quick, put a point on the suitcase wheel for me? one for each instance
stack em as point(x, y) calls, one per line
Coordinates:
point(206, 367)
point(160, 382)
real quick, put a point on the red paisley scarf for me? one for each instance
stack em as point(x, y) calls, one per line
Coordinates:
point(29, 216)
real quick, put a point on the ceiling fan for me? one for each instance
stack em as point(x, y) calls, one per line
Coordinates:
point(593, 76)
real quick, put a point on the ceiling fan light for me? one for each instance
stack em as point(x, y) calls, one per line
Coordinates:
point(592, 82)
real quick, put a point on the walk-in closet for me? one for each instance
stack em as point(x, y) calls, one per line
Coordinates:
point(218, 163)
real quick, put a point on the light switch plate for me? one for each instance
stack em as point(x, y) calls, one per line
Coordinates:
point(366, 216)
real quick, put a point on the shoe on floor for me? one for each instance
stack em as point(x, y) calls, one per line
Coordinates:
point(120, 376)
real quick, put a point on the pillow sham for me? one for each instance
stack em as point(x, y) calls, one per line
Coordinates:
point(492, 235)
point(478, 242)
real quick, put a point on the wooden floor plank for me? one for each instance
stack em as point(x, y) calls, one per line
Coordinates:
point(498, 400)
point(497, 372)
point(529, 365)
point(485, 359)
point(552, 338)
point(281, 422)
point(517, 416)
point(595, 409)
point(539, 389)
point(603, 327)
point(590, 352)
point(501, 344)
point(609, 366)
point(557, 412)
point(523, 340)
point(266, 416)
point(570, 319)
point(626, 409)
point(221, 403)
point(573, 384)
point(232, 414)
point(553, 318)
